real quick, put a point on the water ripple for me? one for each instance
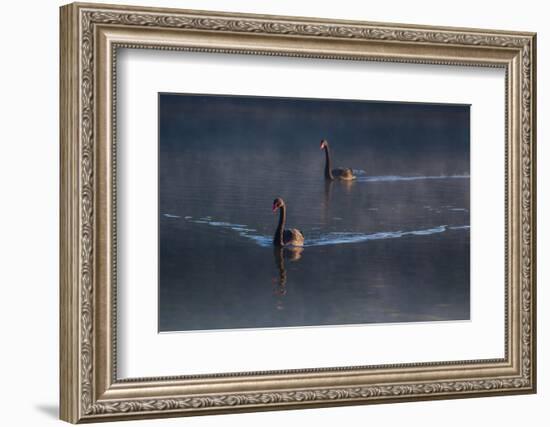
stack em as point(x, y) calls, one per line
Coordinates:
point(393, 178)
point(330, 238)
point(336, 238)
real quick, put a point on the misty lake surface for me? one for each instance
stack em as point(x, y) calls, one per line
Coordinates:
point(391, 246)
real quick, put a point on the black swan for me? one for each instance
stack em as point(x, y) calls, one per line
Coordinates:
point(284, 237)
point(345, 174)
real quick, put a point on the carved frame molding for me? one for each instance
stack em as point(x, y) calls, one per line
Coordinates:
point(90, 36)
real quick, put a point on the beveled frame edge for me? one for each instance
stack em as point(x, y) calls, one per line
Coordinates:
point(89, 390)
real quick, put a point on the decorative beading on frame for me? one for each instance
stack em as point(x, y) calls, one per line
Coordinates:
point(89, 18)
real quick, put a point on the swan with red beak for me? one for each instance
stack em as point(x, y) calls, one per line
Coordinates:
point(345, 174)
point(285, 237)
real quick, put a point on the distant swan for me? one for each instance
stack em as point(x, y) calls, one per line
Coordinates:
point(338, 173)
point(284, 237)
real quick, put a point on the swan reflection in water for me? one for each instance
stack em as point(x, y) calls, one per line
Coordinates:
point(280, 253)
point(345, 185)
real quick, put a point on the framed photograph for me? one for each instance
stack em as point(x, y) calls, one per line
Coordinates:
point(266, 212)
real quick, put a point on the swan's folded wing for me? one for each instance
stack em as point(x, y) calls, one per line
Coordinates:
point(293, 236)
point(344, 173)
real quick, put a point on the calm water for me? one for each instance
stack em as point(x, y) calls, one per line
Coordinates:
point(393, 246)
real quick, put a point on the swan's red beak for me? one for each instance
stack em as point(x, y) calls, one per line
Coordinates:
point(274, 208)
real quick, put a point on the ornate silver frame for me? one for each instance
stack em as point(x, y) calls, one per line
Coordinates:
point(90, 36)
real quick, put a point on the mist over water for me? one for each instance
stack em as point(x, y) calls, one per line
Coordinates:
point(390, 246)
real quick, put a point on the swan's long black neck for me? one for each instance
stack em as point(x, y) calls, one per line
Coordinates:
point(328, 164)
point(278, 238)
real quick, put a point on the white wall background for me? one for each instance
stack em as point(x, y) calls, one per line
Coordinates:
point(29, 171)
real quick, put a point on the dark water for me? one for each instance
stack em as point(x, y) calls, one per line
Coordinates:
point(392, 246)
